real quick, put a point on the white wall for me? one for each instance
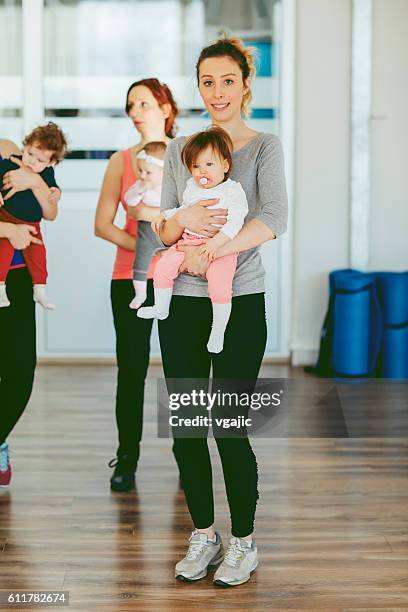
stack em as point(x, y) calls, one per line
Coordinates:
point(320, 237)
point(321, 207)
point(389, 215)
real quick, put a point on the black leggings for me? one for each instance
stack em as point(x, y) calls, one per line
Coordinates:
point(183, 339)
point(132, 352)
point(17, 350)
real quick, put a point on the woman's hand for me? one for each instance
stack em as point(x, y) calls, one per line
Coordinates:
point(199, 219)
point(21, 236)
point(19, 180)
point(194, 263)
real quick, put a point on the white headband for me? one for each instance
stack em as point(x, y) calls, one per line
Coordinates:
point(150, 159)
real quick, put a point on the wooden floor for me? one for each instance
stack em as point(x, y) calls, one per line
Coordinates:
point(331, 524)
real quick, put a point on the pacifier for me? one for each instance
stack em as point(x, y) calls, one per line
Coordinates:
point(203, 180)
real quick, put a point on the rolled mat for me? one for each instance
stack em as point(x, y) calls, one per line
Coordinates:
point(393, 296)
point(394, 353)
point(351, 334)
point(357, 323)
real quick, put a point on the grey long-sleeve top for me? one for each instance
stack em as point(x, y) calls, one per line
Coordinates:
point(258, 166)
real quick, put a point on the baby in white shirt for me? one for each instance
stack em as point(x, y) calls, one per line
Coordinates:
point(208, 156)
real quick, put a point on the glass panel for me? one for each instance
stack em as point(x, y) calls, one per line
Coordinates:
point(11, 69)
point(95, 49)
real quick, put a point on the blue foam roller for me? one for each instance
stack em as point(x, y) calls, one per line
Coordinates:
point(393, 295)
point(394, 358)
point(357, 325)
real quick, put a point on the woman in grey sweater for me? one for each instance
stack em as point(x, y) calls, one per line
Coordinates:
point(224, 70)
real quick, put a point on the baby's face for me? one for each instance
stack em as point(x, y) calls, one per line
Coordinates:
point(35, 158)
point(208, 169)
point(149, 174)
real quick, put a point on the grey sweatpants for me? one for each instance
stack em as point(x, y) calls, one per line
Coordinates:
point(147, 243)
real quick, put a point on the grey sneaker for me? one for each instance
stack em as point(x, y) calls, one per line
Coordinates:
point(201, 554)
point(240, 560)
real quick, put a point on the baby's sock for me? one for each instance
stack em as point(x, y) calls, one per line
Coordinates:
point(160, 310)
point(221, 315)
point(140, 294)
point(40, 296)
point(3, 297)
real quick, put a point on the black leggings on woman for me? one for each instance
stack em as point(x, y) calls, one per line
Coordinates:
point(183, 339)
point(17, 350)
point(132, 352)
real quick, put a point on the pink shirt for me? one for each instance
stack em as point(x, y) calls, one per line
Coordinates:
point(123, 266)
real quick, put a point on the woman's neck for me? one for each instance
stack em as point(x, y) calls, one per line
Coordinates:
point(238, 131)
point(153, 136)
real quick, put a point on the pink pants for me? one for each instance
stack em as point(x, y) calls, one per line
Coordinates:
point(219, 274)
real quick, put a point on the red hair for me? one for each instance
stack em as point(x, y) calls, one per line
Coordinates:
point(163, 95)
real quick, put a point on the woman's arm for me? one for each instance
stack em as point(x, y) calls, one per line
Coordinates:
point(253, 234)
point(7, 148)
point(108, 206)
point(23, 179)
point(196, 218)
point(272, 219)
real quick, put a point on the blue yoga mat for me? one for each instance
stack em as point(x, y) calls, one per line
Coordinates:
point(394, 354)
point(393, 295)
point(357, 323)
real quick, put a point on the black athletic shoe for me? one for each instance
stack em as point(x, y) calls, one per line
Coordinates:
point(123, 478)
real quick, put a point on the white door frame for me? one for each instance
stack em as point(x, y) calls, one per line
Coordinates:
point(287, 133)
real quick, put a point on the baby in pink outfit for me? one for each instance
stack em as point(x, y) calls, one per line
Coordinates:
point(146, 190)
point(208, 156)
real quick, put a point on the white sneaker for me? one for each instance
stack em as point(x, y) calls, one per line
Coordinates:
point(202, 552)
point(240, 560)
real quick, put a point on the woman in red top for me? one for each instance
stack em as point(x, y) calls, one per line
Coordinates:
point(152, 109)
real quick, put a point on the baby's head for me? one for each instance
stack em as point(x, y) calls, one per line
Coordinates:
point(150, 162)
point(43, 147)
point(208, 156)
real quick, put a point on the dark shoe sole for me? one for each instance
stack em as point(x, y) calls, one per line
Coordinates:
point(184, 579)
point(123, 488)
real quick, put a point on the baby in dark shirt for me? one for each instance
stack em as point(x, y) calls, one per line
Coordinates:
point(43, 148)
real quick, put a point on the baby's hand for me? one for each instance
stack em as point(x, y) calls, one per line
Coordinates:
point(208, 249)
point(156, 223)
point(54, 196)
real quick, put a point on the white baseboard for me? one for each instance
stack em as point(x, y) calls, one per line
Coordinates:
point(302, 357)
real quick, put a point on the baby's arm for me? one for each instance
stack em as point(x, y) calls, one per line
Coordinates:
point(54, 196)
point(134, 194)
point(212, 245)
point(41, 185)
point(48, 200)
point(237, 211)
point(161, 217)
